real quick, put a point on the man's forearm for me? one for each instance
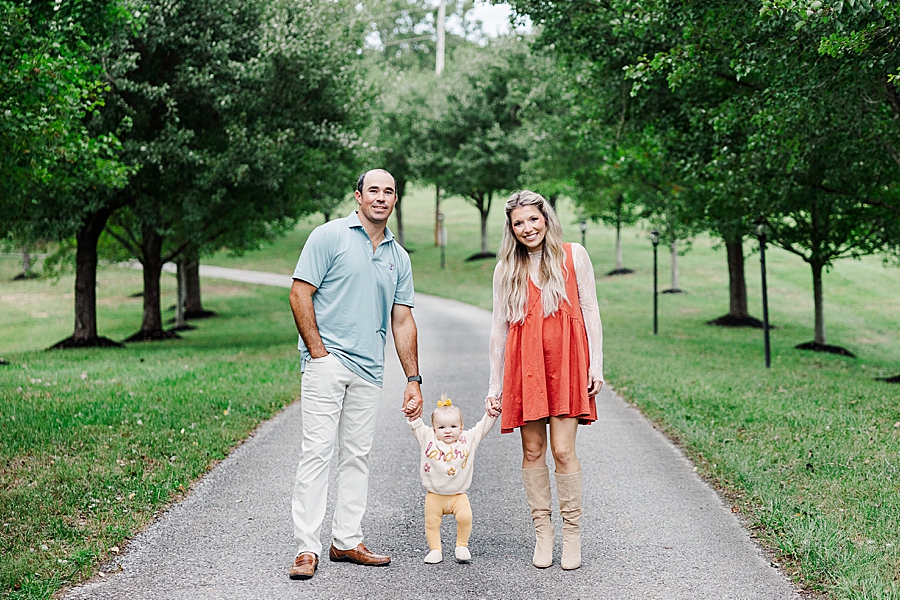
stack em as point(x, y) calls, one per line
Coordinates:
point(406, 342)
point(305, 318)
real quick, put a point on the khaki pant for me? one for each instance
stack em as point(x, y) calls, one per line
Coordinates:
point(436, 506)
point(336, 405)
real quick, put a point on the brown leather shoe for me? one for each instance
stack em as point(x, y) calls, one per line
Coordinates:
point(359, 555)
point(304, 566)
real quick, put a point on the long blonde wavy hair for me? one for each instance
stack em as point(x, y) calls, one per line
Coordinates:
point(513, 262)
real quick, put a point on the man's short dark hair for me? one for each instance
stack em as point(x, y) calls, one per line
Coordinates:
point(362, 179)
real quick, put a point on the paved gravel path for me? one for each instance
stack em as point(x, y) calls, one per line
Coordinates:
point(652, 528)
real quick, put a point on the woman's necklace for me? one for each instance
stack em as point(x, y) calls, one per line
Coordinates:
point(534, 266)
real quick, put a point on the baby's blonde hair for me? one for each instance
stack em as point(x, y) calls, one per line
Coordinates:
point(445, 406)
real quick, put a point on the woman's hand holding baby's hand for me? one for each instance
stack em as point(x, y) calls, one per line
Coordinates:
point(492, 406)
point(594, 385)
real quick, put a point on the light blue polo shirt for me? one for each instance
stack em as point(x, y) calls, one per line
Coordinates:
point(355, 291)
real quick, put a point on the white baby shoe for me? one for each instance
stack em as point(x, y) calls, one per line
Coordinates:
point(434, 557)
point(462, 554)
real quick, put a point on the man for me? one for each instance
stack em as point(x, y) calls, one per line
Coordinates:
point(352, 279)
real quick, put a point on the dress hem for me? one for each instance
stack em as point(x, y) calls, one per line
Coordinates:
point(584, 419)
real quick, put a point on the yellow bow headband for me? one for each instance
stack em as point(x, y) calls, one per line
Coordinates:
point(446, 402)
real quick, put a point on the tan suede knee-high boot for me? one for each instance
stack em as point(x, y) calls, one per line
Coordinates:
point(568, 487)
point(537, 490)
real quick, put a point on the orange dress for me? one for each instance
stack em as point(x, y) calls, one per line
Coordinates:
point(545, 369)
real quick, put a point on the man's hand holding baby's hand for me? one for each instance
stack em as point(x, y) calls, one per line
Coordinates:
point(492, 406)
point(412, 401)
point(409, 409)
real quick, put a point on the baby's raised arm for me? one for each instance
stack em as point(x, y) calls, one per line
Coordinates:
point(419, 429)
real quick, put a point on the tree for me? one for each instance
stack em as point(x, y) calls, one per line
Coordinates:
point(628, 109)
point(817, 131)
point(50, 81)
point(230, 104)
point(744, 85)
point(859, 37)
point(399, 130)
point(404, 54)
point(57, 169)
point(402, 34)
point(473, 147)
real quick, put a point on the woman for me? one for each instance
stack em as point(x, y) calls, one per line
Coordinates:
point(546, 361)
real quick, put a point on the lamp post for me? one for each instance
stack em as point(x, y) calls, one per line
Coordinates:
point(654, 238)
point(442, 233)
point(762, 227)
point(583, 231)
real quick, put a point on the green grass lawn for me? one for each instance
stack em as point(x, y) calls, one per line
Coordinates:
point(95, 442)
point(807, 451)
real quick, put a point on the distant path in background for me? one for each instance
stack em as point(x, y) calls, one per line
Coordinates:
point(651, 527)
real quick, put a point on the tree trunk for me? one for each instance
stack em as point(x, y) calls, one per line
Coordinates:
point(192, 303)
point(737, 285)
point(818, 302)
point(619, 264)
point(484, 207)
point(738, 316)
point(86, 276)
point(484, 233)
point(552, 200)
point(399, 212)
point(151, 322)
point(675, 282)
point(437, 212)
point(182, 293)
point(327, 215)
point(26, 261)
point(86, 239)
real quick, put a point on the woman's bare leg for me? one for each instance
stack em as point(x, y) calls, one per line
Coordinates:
point(562, 444)
point(534, 444)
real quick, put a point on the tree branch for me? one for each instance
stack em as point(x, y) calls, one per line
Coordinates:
point(740, 82)
point(126, 244)
point(893, 98)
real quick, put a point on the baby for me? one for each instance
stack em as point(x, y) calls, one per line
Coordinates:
point(446, 464)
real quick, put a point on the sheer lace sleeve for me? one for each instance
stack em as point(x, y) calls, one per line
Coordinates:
point(499, 330)
point(587, 297)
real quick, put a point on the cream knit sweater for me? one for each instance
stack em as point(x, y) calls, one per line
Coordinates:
point(447, 469)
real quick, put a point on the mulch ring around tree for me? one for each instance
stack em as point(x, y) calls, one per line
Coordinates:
point(200, 314)
point(152, 336)
point(481, 256)
point(26, 276)
point(817, 347)
point(730, 320)
point(894, 379)
point(195, 314)
point(622, 271)
point(71, 343)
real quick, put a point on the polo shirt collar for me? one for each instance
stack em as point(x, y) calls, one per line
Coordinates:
point(353, 221)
